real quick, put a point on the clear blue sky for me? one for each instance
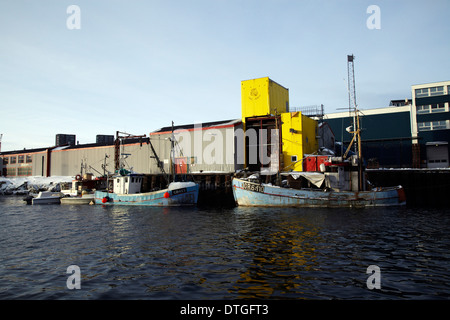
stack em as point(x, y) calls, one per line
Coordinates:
point(135, 66)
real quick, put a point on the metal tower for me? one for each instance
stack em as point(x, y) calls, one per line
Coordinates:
point(351, 84)
point(352, 107)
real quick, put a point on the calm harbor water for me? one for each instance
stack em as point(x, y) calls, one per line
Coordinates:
point(204, 253)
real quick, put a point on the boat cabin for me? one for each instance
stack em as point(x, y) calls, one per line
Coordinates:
point(127, 184)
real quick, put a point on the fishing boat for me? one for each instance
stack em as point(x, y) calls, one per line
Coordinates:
point(127, 191)
point(127, 188)
point(82, 188)
point(339, 182)
point(247, 193)
point(87, 198)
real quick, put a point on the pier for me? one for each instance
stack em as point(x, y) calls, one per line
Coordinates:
point(423, 187)
point(215, 188)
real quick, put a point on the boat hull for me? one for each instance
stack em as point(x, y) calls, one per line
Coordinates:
point(45, 201)
point(186, 196)
point(254, 194)
point(77, 200)
point(47, 197)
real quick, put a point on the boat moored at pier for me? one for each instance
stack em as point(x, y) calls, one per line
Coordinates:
point(248, 193)
point(127, 191)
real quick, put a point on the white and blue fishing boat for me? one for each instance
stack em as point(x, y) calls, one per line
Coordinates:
point(248, 193)
point(127, 191)
point(127, 188)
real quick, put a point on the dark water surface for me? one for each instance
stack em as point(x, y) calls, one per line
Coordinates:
point(204, 253)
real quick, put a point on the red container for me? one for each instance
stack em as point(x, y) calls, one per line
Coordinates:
point(312, 163)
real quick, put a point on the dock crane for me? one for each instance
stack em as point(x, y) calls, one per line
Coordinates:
point(119, 137)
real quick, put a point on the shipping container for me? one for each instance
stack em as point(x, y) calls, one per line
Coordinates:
point(299, 134)
point(262, 97)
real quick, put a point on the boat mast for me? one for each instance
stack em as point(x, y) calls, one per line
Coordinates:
point(356, 127)
point(172, 151)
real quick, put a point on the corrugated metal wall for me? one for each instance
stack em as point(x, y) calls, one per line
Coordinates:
point(67, 162)
point(205, 150)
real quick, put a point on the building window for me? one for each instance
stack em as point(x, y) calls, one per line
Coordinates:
point(29, 159)
point(439, 125)
point(433, 125)
point(437, 91)
point(424, 126)
point(24, 171)
point(431, 108)
point(423, 109)
point(5, 160)
point(438, 107)
point(13, 159)
point(433, 91)
point(421, 92)
point(21, 159)
point(11, 172)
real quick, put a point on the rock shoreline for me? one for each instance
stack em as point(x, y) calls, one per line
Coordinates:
point(31, 185)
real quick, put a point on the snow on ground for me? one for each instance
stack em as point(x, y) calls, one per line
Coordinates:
point(23, 185)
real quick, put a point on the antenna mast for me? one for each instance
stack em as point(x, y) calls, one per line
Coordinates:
point(353, 107)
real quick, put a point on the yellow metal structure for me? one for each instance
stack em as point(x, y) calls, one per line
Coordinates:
point(263, 96)
point(298, 138)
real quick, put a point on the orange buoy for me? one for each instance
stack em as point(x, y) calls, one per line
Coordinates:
point(166, 195)
point(105, 200)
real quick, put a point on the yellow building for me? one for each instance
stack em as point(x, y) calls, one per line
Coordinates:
point(265, 104)
point(299, 137)
point(262, 97)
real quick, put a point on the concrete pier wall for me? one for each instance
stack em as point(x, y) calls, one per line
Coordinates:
point(423, 187)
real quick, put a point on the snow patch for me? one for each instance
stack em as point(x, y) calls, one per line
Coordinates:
point(23, 185)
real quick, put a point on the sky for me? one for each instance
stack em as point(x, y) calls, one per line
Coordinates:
point(135, 66)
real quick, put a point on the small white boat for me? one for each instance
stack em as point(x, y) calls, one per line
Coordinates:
point(84, 199)
point(47, 197)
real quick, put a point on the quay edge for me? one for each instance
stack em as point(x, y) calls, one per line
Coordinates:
point(423, 187)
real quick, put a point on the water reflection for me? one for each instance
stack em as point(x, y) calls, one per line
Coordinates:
point(190, 253)
point(281, 248)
